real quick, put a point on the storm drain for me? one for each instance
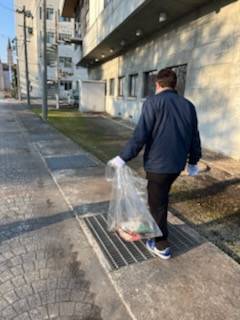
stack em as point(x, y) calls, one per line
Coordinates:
point(69, 162)
point(120, 253)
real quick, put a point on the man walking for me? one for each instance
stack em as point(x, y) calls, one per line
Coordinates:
point(168, 128)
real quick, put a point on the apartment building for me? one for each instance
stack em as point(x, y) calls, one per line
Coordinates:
point(5, 84)
point(126, 42)
point(63, 74)
point(6, 70)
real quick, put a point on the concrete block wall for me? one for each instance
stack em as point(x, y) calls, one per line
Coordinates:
point(208, 41)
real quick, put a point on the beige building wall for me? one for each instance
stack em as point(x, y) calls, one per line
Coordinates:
point(208, 41)
point(101, 25)
point(1, 77)
point(72, 74)
point(95, 8)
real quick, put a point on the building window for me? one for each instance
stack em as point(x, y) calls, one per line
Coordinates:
point(105, 87)
point(181, 72)
point(50, 37)
point(77, 29)
point(64, 36)
point(64, 19)
point(40, 13)
point(121, 86)
point(132, 90)
point(50, 13)
point(150, 78)
point(111, 87)
point(66, 62)
point(67, 85)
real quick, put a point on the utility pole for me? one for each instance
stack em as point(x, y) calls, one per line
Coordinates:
point(44, 73)
point(57, 60)
point(26, 14)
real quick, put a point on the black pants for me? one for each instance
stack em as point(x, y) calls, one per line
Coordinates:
point(159, 186)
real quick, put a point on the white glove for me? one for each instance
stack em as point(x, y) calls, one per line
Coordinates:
point(117, 162)
point(192, 170)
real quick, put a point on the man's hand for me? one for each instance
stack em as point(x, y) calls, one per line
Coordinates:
point(192, 170)
point(117, 162)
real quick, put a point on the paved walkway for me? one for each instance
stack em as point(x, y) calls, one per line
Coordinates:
point(48, 270)
point(47, 267)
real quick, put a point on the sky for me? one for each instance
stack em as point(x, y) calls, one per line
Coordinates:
point(7, 26)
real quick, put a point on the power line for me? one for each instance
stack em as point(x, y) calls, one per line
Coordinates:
point(6, 7)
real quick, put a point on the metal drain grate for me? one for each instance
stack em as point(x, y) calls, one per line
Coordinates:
point(180, 240)
point(69, 162)
point(120, 253)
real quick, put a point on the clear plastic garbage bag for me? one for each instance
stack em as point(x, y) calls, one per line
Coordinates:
point(128, 212)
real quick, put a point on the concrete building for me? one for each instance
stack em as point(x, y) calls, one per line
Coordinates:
point(5, 84)
point(126, 42)
point(6, 70)
point(63, 74)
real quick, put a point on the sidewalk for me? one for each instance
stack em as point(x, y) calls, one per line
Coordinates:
point(47, 268)
point(52, 174)
point(195, 285)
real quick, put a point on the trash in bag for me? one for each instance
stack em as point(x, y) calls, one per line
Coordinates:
point(128, 212)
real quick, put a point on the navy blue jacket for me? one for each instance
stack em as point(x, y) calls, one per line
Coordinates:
point(168, 128)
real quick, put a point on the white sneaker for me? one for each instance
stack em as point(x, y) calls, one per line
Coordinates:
point(163, 254)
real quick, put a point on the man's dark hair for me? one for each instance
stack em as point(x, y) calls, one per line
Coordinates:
point(167, 78)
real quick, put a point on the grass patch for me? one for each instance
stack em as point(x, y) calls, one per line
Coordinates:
point(85, 131)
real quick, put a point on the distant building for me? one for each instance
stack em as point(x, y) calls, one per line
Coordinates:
point(125, 43)
point(63, 74)
point(10, 59)
point(6, 70)
point(5, 84)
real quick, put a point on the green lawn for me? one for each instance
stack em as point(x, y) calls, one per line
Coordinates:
point(86, 131)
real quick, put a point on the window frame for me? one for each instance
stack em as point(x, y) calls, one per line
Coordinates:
point(180, 88)
point(67, 84)
point(50, 16)
point(64, 19)
point(112, 87)
point(132, 86)
point(146, 74)
point(66, 62)
point(121, 81)
point(53, 37)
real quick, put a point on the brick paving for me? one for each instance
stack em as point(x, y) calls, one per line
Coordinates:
point(41, 274)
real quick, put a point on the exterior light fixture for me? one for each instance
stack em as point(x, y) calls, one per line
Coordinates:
point(162, 17)
point(111, 50)
point(122, 43)
point(96, 60)
point(103, 55)
point(139, 33)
